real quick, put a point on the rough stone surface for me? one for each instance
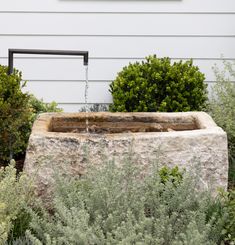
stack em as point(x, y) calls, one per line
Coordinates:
point(201, 144)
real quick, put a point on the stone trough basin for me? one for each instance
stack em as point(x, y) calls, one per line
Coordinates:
point(59, 142)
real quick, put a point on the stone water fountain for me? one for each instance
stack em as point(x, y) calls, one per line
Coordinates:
point(59, 141)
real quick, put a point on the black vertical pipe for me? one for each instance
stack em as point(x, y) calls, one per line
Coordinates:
point(10, 61)
point(10, 71)
point(85, 59)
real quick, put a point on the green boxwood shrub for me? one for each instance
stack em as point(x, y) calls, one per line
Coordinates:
point(18, 110)
point(158, 85)
point(14, 114)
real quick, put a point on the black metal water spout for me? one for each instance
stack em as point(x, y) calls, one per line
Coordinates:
point(11, 53)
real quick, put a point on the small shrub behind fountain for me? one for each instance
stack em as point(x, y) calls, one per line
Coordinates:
point(158, 85)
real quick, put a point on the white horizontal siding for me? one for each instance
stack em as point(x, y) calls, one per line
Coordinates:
point(115, 33)
point(119, 47)
point(71, 92)
point(119, 6)
point(117, 24)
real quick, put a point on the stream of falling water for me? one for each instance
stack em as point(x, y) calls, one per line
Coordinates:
point(86, 98)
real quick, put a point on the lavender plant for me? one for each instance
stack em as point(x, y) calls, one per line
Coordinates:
point(117, 205)
point(14, 194)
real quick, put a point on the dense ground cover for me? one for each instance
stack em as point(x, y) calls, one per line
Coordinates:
point(115, 205)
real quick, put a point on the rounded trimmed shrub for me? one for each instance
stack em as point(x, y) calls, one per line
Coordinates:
point(18, 110)
point(14, 114)
point(158, 85)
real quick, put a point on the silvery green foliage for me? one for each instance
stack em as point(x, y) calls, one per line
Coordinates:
point(222, 108)
point(21, 241)
point(223, 97)
point(118, 205)
point(14, 194)
point(95, 108)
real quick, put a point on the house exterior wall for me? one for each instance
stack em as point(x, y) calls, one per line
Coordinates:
point(115, 32)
